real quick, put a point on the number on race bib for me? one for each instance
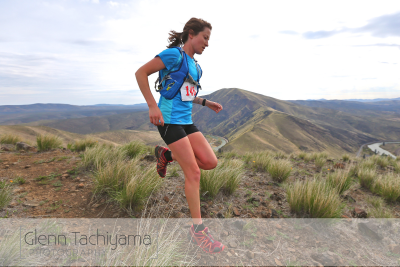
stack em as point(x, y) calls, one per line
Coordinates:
point(192, 91)
point(188, 91)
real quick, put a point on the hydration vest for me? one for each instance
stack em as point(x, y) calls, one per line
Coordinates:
point(175, 79)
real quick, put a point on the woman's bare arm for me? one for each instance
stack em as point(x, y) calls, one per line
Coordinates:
point(210, 104)
point(142, 74)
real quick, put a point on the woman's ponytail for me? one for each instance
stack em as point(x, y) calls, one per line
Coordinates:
point(194, 24)
point(175, 39)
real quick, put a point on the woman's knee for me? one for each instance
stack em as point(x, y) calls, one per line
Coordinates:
point(210, 164)
point(193, 174)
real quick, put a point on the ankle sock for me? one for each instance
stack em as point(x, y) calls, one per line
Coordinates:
point(168, 155)
point(198, 227)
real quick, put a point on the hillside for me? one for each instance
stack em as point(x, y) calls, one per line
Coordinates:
point(388, 109)
point(28, 134)
point(46, 113)
point(253, 121)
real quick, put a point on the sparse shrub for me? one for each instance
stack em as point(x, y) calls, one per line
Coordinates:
point(259, 160)
point(280, 155)
point(173, 171)
point(134, 149)
point(10, 139)
point(314, 197)
point(345, 157)
point(396, 166)
point(368, 164)
point(381, 161)
point(233, 176)
point(229, 155)
point(20, 180)
point(353, 170)
point(127, 182)
point(81, 145)
point(139, 187)
point(5, 195)
point(379, 210)
point(388, 186)
point(308, 158)
point(302, 155)
point(319, 162)
point(227, 174)
point(367, 177)
point(98, 156)
point(340, 180)
point(279, 169)
point(48, 142)
point(111, 176)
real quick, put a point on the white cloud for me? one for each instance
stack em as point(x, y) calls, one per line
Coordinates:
point(259, 46)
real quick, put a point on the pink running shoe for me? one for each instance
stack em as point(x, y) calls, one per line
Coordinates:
point(205, 241)
point(161, 160)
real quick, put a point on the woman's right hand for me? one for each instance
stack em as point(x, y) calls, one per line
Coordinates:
point(156, 117)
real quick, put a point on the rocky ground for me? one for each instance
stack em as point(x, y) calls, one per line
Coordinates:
point(55, 187)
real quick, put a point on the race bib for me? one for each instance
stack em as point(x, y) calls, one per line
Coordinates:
point(188, 91)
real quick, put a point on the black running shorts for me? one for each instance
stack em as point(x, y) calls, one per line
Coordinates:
point(173, 132)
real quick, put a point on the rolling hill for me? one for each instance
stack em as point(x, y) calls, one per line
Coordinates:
point(252, 121)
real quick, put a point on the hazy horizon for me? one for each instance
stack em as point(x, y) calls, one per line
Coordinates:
point(87, 51)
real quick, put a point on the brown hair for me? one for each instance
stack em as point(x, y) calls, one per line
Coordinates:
point(194, 24)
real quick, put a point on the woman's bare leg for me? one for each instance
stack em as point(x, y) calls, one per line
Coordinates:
point(183, 153)
point(205, 156)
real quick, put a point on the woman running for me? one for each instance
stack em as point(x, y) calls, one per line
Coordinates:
point(173, 118)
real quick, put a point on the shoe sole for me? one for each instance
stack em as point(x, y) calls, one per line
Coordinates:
point(208, 252)
point(156, 154)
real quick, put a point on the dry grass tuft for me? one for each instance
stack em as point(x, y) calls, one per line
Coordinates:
point(279, 169)
point(10, 139)
point(48, 142)
point(227, 175)
point(315, 198)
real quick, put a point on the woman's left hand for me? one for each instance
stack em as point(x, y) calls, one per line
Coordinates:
point(214, 106)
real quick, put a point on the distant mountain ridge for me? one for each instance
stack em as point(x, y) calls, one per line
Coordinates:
point(252, 122)
point(40, 107)
point(357, 100)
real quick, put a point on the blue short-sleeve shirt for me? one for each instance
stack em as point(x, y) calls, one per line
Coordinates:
point(176, 111)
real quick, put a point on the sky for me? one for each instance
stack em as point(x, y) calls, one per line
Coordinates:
point(86, 52)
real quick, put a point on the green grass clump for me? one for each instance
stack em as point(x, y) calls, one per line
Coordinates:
point(20, 180)
point(229, 155)
point(367, 177)
point(319, 162)
point(259, 160)
point(127, 182)
point(226, 175)
point(279, 169)
point(134, 149)
point(396, 166)
point(367, 164)
point(388, 186)
point(381, 161)
point(280, 155)
point(81, 145)
point(302, 155)
point(378, 208)
point(97, 156)
point(345, 157)
point(315, 198)
point(5, 195)
point(173, 171)
point(10, 139)
point(48, 142)
point(340, 180)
